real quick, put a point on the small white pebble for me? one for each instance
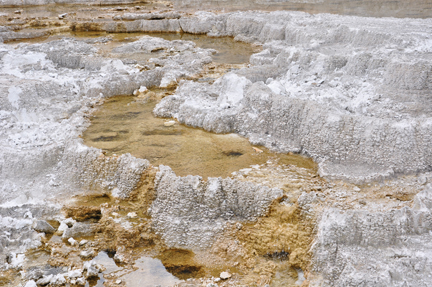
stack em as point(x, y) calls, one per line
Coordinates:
point(131, 215)
point(72, 241)
point(169, 123)
point(225, 275)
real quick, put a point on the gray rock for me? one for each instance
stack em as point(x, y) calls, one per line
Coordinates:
point(43, 226)
point(30, 283)
point(423, 180)
point(34, 274)
point(80, 229)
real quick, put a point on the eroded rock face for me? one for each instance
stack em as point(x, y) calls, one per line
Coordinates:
point(190, 213)
point(43, 226)
point(151, 44)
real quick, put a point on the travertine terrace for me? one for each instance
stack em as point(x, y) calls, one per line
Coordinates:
point(351, 93)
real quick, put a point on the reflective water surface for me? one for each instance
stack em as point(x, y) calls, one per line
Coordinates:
point(151, 272)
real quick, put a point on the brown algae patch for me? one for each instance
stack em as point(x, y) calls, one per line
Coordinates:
point(81, 213)
point(283, 234)
point(125, 124)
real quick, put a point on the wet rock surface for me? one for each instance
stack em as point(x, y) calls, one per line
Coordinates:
point(351, 92)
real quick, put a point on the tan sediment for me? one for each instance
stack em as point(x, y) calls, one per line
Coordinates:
point(131, 240)
point(284, 229)
point(142, 197)
point(7, 277)
point(273, 246)
point(83, 213)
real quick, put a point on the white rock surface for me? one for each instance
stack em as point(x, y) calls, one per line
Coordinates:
point(392, 248)
point(92, 269)
point(87, 254)
point(30, 283)
point(190, 213)
point(73, 242)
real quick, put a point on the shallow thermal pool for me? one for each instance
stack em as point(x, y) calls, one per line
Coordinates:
point(125, 124)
